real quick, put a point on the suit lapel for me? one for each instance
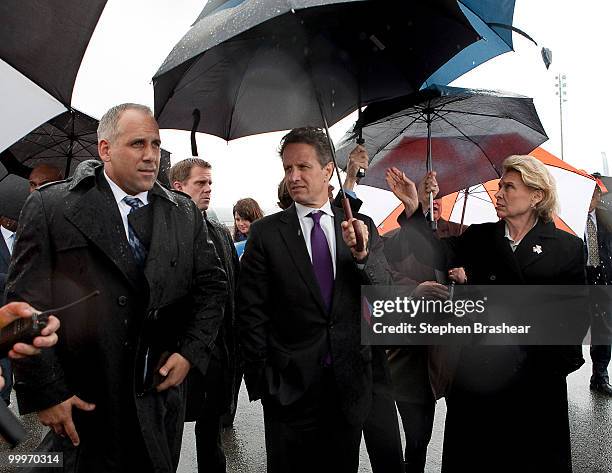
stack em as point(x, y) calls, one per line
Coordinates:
point(96, 215)
point(533, 247)
point(5, 255)
point(291, 233)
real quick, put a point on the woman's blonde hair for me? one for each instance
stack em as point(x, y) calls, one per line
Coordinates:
point(535, 176)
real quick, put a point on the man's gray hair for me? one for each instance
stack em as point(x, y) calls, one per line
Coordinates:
point(107, 128)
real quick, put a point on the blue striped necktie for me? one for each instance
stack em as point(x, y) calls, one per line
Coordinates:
point(138, 249)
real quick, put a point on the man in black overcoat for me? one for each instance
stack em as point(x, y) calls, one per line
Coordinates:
point(111, 390)
point(210, 397)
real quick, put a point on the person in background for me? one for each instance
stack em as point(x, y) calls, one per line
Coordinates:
point(598, 240)
point(418, 372)
point(43, 174)
point(245, 211)
point(211, 396)
point(381, 428)
point(8, 227)
point(507, 406)
point(284, 198)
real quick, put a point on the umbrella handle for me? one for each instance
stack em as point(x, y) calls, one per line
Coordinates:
point(432, 222)
point(349, 215)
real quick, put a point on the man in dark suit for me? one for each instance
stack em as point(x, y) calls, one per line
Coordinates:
point(210, 397)
point(13, 194)
point(8, 227)
point(598, 239)
point(111, 390)
point(298, 310)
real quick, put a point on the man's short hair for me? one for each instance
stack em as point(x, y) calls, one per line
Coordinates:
point(181, 170)
point(108, 125)
point(309, 135)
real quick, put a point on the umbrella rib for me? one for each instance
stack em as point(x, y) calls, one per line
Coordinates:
point(395, 136)
point(469, 139)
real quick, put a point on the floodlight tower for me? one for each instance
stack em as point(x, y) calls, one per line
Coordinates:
point(561, 86)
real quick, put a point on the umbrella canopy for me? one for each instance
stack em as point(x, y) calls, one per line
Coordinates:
point(476, 204)
point(42, 43)
point(64, 141)
point(470, 132)
point(493, 22)
point(256, 66)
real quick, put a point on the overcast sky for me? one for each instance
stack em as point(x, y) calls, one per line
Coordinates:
point(133, 38)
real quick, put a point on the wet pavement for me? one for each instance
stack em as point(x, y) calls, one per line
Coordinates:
point(590, 423)
point(590, 420)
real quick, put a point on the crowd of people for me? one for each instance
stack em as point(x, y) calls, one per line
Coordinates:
point(188, 308)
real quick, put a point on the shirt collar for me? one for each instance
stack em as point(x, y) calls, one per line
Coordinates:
point(303, 211)
point(507, 232)
point(119, 193)
point(592, 214)
point(6, 233)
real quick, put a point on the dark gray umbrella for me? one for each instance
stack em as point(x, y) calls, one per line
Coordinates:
point(63, 142)
point(256, 66)
point(466, 133)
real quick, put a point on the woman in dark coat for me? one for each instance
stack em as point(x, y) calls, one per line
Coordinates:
point(507, 405)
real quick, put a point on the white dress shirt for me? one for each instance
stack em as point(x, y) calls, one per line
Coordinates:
point(9, 238)
point(124, 209)
point(327, 224)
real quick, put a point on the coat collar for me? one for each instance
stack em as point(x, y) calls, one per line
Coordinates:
point(85, 175)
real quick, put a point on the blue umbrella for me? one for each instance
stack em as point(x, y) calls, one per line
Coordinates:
point(493, 22)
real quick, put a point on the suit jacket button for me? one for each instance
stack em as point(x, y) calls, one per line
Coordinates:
point(122, 301)
point(492, 277)
point(173, 263)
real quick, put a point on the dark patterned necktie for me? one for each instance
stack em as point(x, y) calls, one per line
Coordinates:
point(321, 259)
point(593, 248)
point(138, 249)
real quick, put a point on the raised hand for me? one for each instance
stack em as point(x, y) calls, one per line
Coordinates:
point(403, 188)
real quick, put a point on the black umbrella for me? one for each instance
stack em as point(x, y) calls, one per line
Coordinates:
point(42, 43)
point(63, 142)
point(257, 66)
point(469, 132)
point(45, 40)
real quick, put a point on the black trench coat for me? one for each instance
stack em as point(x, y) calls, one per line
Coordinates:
point(507, 405)
point(70, 242)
